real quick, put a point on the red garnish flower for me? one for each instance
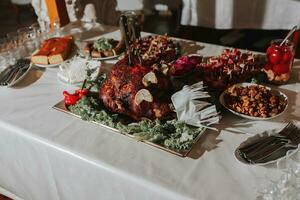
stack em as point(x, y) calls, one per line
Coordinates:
point(184, 65)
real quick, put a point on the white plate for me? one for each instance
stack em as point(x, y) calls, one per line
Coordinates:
point(99, 59)
point(72, 54)
point(106, 58)
point(21, 77)
point(222, 101)
point(47, 66)
point(102, 58)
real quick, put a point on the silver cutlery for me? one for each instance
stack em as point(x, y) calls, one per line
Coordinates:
point(271, 147)
point(262, 142)
point(14, 72)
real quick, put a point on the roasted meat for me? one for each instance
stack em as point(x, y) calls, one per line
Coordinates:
point(153, 49)
point(136, 91)
point(232, 66)
point(144, 89)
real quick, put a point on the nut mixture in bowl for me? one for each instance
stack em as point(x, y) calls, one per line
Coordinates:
point(255, 101)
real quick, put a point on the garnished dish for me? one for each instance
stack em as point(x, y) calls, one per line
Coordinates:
point(231, 67)
point(254, 101)
point(156, 49)
point(135, 99)
point(104, 48)
point(53, 51)
point(168, 134)
point(143, 90)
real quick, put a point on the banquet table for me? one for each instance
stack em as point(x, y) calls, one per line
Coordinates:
point(46, 154)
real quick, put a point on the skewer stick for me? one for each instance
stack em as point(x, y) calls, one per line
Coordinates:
point(126, 34)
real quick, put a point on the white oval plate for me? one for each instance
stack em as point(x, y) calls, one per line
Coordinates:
point(222, 101)
point(47, 66)
point(71, 55)
point(106, 58)
point(99, 59)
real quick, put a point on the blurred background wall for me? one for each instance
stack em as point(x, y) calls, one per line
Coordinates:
point(190, 19)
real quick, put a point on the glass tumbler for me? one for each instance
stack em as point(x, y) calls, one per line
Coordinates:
point(4, 59)
point(280, 61)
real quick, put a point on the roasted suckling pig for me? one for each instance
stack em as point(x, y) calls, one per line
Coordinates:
point(142, 90)
point(136, 91)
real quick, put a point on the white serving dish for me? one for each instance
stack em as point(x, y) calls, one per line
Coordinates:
point(222, 101)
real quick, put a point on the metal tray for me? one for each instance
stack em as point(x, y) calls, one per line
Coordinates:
point(60, 106)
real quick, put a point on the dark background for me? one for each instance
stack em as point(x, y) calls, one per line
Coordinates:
point(12, 18)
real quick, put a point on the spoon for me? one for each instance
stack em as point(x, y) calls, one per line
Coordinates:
point(288, 35)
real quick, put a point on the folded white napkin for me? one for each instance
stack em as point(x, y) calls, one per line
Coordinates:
point(191, 110)
point(75, 70)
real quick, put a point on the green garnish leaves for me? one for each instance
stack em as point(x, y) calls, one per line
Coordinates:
point(104, 44)
point(171, 134)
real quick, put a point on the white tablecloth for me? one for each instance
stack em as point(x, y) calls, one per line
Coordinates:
point(46, 154)
point(227, 14)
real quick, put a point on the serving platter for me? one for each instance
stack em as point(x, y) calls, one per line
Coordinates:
point(277, 92)
point(60, 106)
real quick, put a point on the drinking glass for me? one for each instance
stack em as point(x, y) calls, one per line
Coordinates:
point(38, 34)
point(29, 38)
point(3, 44)
point(55, 27)
point(4, 59)
point(44, 29)
point(15, 39)
point(36, 28)
point(280, 61)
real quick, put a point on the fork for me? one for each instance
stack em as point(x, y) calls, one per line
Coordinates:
point(269, 140)
point(268, 147)
point(250, 147)
point(280, 151)
point(12, 74)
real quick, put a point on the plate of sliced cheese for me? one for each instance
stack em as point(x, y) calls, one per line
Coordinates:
point(53, 52)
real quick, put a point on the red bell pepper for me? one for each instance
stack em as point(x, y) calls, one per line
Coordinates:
point(71, 99)
point(81, 92)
